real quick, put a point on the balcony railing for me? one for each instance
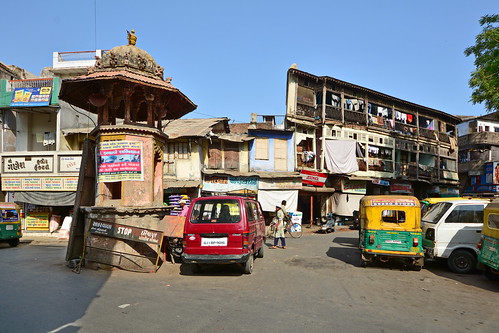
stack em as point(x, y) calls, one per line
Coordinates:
point(406, 170)
point(76, 59)
point(333, 113)
point(355, 117)
point(33, 83)
point(305, 110)
point(377, 164)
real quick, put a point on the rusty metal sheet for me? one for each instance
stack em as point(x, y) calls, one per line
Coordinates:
point(173, 226)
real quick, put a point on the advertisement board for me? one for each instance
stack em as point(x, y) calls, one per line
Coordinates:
point(313, 178)
point(31, 96)
point(119, 161)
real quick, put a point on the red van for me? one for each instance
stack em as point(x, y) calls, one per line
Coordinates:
point(223, 230)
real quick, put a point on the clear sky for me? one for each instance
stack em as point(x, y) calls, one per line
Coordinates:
point(231, 57)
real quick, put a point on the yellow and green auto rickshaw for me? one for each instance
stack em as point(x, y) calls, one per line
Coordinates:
point(390, 228)
point(488, 247)
point(10, 223)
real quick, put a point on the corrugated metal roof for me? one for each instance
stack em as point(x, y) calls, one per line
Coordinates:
point(178, 128)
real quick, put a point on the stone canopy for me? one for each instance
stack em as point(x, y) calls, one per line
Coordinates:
point(126, 83)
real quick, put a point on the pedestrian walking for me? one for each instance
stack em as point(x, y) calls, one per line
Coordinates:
point(279, 229)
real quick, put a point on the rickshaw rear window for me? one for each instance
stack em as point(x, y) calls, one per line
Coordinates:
point(9, 215)
point(216, 211)
point(493, 221)
point(393, 216)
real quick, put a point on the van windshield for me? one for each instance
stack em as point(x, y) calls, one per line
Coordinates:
point(216, 211)
point(436, 212)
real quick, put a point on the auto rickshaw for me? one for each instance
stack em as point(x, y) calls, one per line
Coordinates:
point(427, 203)
point(488, 247)
point(10, 223)
point(390, 228)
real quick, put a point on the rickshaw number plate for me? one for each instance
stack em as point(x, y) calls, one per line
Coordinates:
point(214, 241)
point(393, 241)
point(9, 227)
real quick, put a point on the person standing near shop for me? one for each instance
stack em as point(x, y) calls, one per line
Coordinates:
point(185, 208)
point(279, 229)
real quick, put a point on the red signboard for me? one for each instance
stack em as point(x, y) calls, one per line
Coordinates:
point(313, 178)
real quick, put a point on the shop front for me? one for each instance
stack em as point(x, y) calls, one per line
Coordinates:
point(36, 184)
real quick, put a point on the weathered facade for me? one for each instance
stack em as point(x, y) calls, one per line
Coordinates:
point(42, 139)
point(400, 147)
point(478, 143)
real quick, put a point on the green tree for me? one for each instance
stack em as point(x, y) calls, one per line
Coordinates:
point(485, 79)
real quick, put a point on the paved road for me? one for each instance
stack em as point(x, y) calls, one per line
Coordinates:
point(315, 285)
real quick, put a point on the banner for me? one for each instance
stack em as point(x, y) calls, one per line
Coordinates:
point(229, 183)
point(119, 161)
point(31, 96)
point(313, 178)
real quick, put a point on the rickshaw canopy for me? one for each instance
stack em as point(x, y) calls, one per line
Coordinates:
point(491, 219)
point(390, 212)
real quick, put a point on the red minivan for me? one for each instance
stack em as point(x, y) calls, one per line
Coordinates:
point(223, 230)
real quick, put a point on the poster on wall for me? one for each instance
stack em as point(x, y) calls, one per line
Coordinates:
point(120, 161)
point(31, 96)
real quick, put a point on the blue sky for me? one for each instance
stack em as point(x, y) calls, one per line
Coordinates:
point(231, 57)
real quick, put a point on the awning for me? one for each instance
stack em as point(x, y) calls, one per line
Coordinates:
point(318, 189)
point(82, 130)
point(46, 198)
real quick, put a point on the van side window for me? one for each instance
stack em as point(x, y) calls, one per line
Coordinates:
point(493, 221)
point(466, 214)
point(393, 216)
point(250, 211)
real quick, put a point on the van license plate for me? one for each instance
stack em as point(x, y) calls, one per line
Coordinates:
point(214, 241)
point(9, 227)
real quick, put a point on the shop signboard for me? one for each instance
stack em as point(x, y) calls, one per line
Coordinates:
point(353, 186)
point(31, 96)
point(38, 221)
point(69, 163)
point(381, 182)
point(39, 183)
point(28, 164)
point(313, 178)
point(120, 161)
point(396, 187)
point(229, 183)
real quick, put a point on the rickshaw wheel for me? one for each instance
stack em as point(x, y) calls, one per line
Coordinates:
point(14, 242)
point(492, 273)
point(417, 267)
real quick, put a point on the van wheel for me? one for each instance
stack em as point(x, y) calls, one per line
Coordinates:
point(248, 266)
point(492, 273)
point(259, 254)
point(195, 268)
point(14, 242)
point(461, 261)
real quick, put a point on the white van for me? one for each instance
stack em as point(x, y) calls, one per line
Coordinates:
point(451, 231)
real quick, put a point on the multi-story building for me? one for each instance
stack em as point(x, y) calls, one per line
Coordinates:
point(186, 153)
point(367, 142)
point(478, 141)
point(42, 140)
